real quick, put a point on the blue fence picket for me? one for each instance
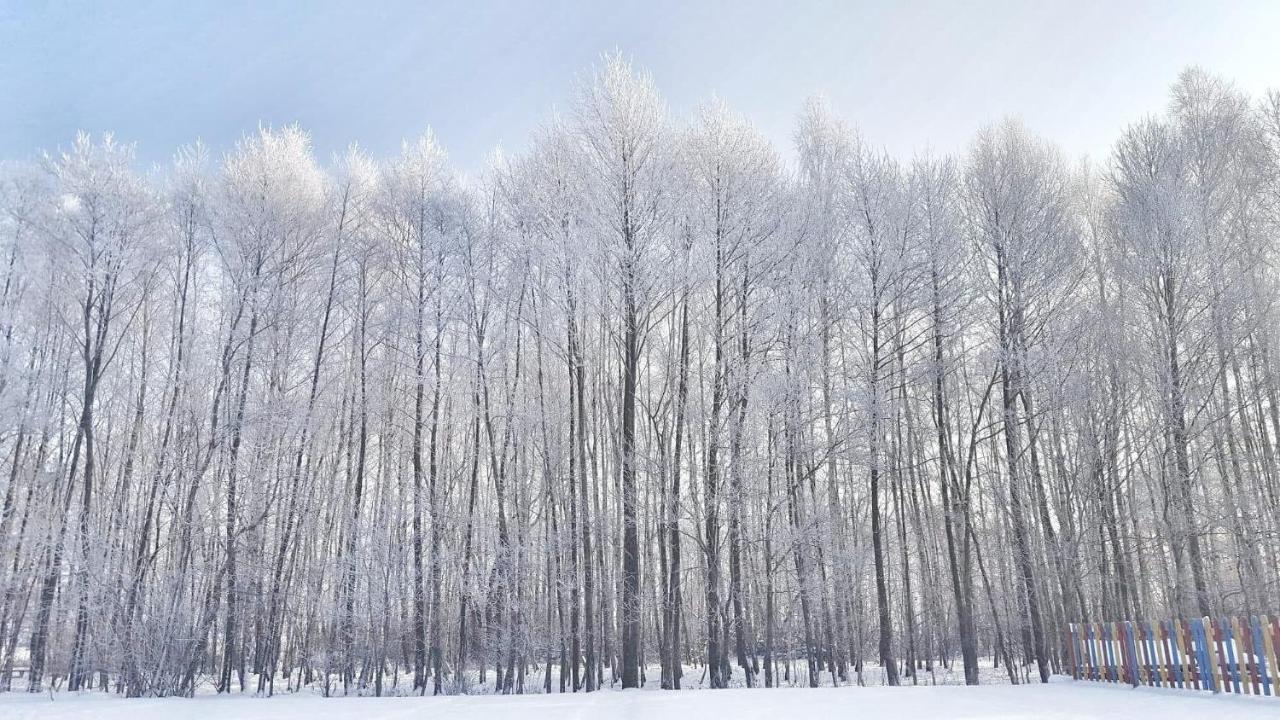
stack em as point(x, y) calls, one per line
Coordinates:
point(1133, 654)
point(1260, 654)
point(1207, 678)
point(1229, 642)
point(1153, 675)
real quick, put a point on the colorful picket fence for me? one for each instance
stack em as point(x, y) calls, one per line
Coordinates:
point(1227, 654)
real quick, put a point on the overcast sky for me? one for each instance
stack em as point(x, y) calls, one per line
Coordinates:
point(482, 74)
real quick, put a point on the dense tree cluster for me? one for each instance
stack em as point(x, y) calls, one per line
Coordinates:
point(644, 400)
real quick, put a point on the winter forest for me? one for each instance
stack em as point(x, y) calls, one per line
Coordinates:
point(651, 402)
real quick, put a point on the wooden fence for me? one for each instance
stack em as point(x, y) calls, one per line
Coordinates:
point(1228, 654)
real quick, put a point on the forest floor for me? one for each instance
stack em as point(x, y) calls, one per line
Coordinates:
point(1061, 700)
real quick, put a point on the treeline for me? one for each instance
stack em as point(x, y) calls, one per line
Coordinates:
point(643, 403)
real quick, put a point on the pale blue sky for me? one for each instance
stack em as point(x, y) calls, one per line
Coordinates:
point(484, 73)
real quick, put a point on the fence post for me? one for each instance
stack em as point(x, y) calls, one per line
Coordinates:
point(1109, 649)
point(1071, 651)
point(1160, 656)
point(1133, 654)
point(1108, 652)
point(1247, 654)
point(1122, 664)
point(1272, 630)
point(1230, 676)
point(1152, 648)
point(1090, 652)
point(1191, 648)
point(1268, 652)
point(1122, 635)
point(1170, 632)
point(1145, 664)
point(1212, 668)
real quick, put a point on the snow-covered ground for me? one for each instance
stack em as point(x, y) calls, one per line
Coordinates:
point(1056, 701)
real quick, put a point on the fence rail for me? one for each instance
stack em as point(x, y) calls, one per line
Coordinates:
point(1227, 654)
